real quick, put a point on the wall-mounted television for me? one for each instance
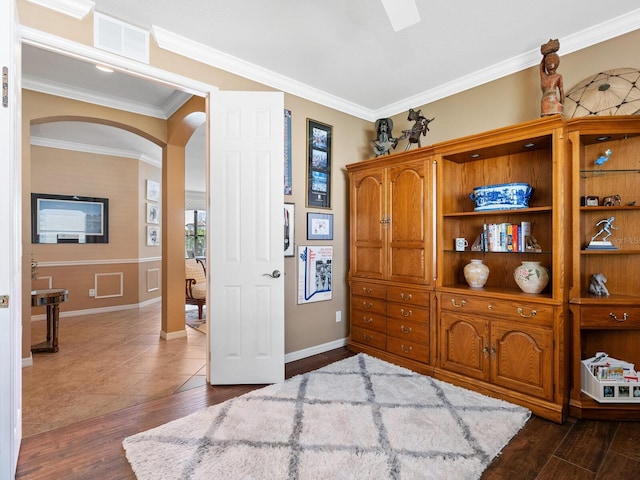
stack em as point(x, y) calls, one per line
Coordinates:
point(69, 219)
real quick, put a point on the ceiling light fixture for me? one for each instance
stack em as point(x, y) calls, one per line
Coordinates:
point(603, 138)
point(529, 145)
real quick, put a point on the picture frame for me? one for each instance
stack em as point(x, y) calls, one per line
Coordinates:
point(319, 138)
point(288, 174)
point(289, 229)
point(314, 273)
point(69, 219)
point(153, 236)
point(153, 191)
point(153, 213)
point(319, 226)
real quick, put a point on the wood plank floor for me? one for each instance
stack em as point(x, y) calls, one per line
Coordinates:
point(92, 449)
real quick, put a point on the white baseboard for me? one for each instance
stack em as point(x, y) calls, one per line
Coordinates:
point(91, 311)
point(173, 335)
point(28, 362)
point(308, 352)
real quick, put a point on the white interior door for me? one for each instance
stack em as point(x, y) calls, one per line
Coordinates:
point(245, 305)
point(10, 246)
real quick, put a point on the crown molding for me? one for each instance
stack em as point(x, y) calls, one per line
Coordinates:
point(94, 149)
point(197, 51)
point(586, 38)
point(74, 8)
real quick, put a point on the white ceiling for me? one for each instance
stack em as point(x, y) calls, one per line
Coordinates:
point(340, 53)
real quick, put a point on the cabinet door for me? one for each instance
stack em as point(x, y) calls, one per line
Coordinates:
point(522, 358)
point(464, 345)
point(407, 206)
point(368, 230)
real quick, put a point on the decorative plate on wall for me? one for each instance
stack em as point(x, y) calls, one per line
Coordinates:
point(612, 92)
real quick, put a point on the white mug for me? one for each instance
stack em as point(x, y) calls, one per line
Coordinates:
point(461, 244)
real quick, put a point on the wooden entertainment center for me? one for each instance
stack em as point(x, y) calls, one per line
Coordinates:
point(411, 305)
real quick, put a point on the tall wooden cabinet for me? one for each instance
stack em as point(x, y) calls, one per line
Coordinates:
point(609, 323)
point(391, 258)
point(497, 339)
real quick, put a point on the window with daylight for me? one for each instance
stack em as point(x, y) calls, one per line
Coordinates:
point(195, 233)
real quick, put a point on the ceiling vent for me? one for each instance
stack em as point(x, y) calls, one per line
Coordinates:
point(121, 38)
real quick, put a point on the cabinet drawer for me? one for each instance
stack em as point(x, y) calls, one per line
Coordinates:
point(504, 309)
point(367, 304)
point(368, 290)
point(407, 312)
point(613, 316)
point(370, 320)
point(409, 296)
point(510, 310)
point(408, 331)
point(415, 351)
point(369, 337)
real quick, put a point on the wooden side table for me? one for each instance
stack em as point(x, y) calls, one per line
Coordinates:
point(51, 298)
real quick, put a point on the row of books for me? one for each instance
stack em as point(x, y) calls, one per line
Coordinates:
point(505, 237)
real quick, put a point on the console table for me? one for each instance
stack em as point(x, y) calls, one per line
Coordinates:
point(51, 298)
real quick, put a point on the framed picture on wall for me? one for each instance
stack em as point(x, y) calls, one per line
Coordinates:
point(318, 164)
point(314, 273)
point(288, 177)
point(319, 226)
point(153, 213)
point(153, 236)
point(153, 191)
point(289, 229)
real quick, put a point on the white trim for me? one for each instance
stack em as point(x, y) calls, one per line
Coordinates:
point(112, 261)
point(74, 8)
point(111, 274)
point(98, 150)
point(308, 352)
point(93, 311)
point(197, 51)
point(598, 33)
point(27, 362)
point(40, 39)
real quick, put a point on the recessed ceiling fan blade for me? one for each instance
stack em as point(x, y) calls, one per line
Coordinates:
point(401, 13)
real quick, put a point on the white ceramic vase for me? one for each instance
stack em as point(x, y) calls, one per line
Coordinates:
point(476, 273)
point(531, 277)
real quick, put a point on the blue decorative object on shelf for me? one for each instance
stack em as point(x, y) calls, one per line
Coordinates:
point(503, 196)
point(603, 158)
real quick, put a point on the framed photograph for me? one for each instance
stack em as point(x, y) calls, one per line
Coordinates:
point(314, 273)
point(288, 177)
point(153, 213)
point(289, 229)
point(318, 164)
point(69, 219)
point(153, 236)
point(153, 191)
point(319, 226)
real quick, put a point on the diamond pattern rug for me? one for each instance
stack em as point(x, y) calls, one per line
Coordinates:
point(359, 418)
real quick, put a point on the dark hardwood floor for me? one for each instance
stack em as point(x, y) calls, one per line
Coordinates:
point(92, 449)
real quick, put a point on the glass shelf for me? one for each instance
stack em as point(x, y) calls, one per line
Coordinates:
point(595, 173)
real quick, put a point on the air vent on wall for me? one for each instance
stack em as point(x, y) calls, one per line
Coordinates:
point(121, 38)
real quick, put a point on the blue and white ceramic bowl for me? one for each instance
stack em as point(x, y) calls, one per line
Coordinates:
point(504, 196)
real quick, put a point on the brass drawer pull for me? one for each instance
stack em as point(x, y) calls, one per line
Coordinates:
point(367, 337)
point(367, 305)
point(406, 350)
point(457, 305)
point(533, 313)
point(367, 319)
point(623, 319)
point(485, 351)
point(406, 297)
point(403, 330)
point(408, 314)
point(367, 290)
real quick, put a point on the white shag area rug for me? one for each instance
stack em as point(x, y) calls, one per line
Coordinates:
point(359, 418)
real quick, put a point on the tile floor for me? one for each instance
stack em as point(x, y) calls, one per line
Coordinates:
point(106, 362)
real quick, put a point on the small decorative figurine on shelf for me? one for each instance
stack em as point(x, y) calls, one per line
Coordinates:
point(551, 81)
point(597, 285)
point(384, 141)
point(531, 244)
point(420, 127)
point(602, 159)
point(606, 227)
point(612, 201)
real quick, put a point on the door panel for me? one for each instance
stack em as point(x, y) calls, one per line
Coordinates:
point(246, 278)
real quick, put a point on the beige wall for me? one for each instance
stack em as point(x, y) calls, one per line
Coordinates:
point(509, 100)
